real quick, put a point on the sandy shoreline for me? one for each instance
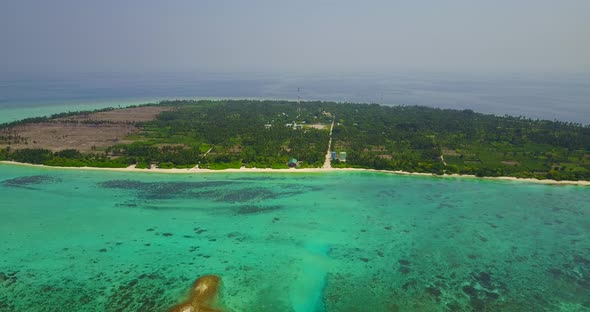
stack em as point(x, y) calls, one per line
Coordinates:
point(302, 170)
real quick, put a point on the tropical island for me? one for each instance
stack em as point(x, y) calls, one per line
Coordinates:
point(234, 134)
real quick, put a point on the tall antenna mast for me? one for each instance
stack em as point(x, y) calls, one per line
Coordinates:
point(298, 102)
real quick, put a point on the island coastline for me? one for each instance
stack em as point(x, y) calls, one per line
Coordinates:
point(160, 136)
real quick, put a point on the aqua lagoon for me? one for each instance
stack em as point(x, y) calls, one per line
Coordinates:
point(79, 240)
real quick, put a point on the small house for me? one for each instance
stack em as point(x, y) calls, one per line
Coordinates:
point(292, 163)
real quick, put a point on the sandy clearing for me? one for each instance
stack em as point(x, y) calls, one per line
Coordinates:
point(85, 132)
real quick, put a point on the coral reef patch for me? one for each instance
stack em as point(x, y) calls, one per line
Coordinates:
point(28, 181)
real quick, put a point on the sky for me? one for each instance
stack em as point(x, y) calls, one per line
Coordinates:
point(296, 35)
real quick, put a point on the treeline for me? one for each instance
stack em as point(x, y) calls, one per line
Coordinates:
point(119, 156)
point(144, 155)
point(65, 158)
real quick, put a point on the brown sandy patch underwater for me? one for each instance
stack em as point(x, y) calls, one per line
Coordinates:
point(202, 296)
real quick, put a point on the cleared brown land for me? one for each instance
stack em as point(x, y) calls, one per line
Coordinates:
point(136, 114)
point(83, 132)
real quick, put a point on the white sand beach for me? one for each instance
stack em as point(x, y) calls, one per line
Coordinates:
point(196, 170)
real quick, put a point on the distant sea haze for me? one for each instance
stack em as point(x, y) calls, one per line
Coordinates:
point(564, 97)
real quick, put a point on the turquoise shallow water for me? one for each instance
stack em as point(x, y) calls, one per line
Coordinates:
point(75, 240)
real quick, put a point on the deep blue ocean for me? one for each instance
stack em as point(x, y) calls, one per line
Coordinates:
point(563, 97)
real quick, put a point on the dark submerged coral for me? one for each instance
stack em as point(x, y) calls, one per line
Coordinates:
point(254, 209)
point(27, 182)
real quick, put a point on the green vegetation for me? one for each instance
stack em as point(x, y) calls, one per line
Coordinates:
point(231, 134)
point(414, 139)
point(65, 158)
